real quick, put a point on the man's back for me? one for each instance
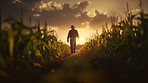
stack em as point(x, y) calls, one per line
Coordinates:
point(73, 34)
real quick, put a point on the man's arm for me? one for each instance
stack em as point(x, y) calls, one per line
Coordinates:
point(77, 34)
point(68, 36)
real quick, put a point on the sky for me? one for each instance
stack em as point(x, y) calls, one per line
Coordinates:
point(86, 15)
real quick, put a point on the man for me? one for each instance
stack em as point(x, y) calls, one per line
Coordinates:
point(73, 34)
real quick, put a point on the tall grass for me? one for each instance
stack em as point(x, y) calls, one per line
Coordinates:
point(22, 46)
point(122, 51)
point(125, 37)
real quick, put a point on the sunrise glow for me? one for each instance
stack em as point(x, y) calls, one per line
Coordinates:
point(77, 41)
point(80, 41)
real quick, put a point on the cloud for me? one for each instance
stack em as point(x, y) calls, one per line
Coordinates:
point(13, 8)
point(64, 15)
point(47, 6)
point(98, 20)
point(82, 5)
point(30, 3)
point(57, 15)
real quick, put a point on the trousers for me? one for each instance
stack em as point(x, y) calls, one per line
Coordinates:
point(73, 47)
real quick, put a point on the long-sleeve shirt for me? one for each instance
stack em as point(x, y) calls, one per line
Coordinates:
point(72, 35)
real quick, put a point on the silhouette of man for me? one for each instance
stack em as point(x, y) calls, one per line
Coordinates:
point(73, 34)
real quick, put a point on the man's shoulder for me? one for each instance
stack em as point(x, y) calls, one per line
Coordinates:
point(70, 30)
point(75, 30)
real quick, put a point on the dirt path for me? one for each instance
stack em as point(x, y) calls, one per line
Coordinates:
point(75, 69)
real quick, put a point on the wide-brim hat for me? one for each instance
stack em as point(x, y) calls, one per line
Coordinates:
point(72, 26)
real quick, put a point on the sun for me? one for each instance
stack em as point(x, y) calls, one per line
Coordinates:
point(80, 41)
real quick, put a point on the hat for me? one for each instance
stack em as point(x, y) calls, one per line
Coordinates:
point(72, 26)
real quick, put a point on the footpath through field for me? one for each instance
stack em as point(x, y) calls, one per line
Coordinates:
point(75, 69)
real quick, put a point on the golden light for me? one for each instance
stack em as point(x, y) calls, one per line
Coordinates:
point(37, 15)
point(84, 35)
point(80, 41)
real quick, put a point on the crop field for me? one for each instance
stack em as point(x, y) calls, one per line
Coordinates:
point(29, 54)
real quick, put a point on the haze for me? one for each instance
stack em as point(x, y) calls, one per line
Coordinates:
point(86, 15)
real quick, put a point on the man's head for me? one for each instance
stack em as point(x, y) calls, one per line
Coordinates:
point(72, 27)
